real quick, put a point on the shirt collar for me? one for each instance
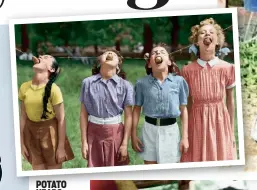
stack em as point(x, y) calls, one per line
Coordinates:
point(115, 78)
point(97, 76)
point(170, 76)
point(212, 62)
point(152, 79)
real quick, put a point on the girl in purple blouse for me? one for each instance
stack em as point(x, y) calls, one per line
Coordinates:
point(104, 97)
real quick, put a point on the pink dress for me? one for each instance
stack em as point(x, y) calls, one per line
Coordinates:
point(209, 128)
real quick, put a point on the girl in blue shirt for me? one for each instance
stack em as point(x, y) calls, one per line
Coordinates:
point(163, 96)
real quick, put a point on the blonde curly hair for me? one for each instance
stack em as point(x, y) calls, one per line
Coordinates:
point(210, 21)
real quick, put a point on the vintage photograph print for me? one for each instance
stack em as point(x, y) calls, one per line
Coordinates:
point(126, 92)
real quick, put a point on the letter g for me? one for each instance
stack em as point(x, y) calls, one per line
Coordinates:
point(160, 3)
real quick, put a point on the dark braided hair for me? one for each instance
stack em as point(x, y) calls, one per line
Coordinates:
point(173, 68)
point(53, 76)
point(119, 72)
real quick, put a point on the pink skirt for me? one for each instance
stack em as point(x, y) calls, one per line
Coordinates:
point(104, 142)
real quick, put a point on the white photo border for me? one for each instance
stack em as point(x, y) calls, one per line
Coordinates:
point(241, 160)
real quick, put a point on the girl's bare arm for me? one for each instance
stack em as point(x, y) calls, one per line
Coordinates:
point(127, 124)
point(23, 118)
point(83, 124)
point(60, 116)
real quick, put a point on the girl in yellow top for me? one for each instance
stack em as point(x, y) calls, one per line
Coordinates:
point(42, 123)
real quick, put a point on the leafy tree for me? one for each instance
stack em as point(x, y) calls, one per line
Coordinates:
point(117, 32)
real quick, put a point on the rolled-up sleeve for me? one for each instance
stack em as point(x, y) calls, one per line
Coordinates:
point(139, 98)
point(129, 99)
point(184, 92)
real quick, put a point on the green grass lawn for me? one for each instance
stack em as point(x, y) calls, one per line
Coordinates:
point(70, 82)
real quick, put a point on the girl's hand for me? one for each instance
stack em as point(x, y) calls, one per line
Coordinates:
point(123, 153)
point(24, 152)
point(136, 143)
point(60, 155)
point(184, 145)
point(84, 150)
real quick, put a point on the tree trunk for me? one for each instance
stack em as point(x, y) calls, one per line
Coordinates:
point(96, 49)
point(24, 38)
point(66, 42)
point(148, 39)
point(117, 45)
point(174, 32)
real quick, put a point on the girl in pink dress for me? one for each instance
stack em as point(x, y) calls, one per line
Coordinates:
point(211, 100)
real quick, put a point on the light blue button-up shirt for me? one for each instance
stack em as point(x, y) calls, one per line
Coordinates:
point(161, 100)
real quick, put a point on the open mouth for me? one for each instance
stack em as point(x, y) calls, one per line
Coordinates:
point(207, 41)
point(109, 57)
point(158, 60)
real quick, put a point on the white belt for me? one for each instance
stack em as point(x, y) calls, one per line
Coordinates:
point(101, 121)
